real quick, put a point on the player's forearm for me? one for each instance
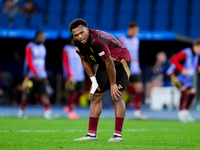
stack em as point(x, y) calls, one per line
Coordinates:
point(87, 67)
point(111, 70)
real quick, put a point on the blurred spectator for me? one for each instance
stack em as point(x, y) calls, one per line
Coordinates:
point(29, 9)
point(135, 87)
point(158, 76)
point(11, 8)
point(73, 72)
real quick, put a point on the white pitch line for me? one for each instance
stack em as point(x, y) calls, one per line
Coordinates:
point(125, 130)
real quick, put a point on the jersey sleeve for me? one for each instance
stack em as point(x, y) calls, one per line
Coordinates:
point(66, 66)
point(79, 52)
point(29, 58)
point(104, 51)
point(180, 56)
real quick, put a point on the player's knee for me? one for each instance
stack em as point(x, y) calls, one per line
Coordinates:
point(183, 88)
point(96, 98)
point(192, 91)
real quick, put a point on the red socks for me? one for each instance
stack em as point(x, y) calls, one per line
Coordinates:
point(189, 101)
point(47, 106)
point(93, 123)
point(182, 100)
point(22, 106)
point(138, 101)
point(118, 125)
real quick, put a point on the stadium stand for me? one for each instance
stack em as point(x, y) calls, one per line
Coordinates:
point(126, 9)
point(180, 16)
point(72, 11)
point(195, 20)
point(143, 14)
point(161, 15)
point(179, 21)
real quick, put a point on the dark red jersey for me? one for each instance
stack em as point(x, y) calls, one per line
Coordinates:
point(101, 45)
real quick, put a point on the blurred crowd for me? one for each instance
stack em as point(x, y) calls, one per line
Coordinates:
point(12, 7)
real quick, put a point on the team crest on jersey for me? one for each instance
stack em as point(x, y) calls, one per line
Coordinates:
point(102, 53)
point(91, 49)
point(77, 49)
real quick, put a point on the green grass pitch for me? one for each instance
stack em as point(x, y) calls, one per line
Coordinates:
point(41, 134)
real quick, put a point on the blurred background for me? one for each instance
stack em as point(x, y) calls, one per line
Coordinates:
point(165, 25)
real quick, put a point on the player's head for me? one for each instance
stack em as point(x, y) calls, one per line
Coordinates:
point(79, 29)
point(40, 37)
point(161, 57)
point(132, 29)
point(196, 46)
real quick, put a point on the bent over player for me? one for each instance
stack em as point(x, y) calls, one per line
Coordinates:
point(181, 76)
point(94, 46)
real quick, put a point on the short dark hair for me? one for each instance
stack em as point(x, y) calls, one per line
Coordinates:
point(196, 41)
point(132, 24)
point(75, 23)
point(38, 32)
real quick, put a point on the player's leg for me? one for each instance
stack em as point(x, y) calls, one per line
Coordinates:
point(95, 111)
point(179, 83)
point(138, 101)
point(27, 90)
point(72, 101)
point(23, 104)
point(191, 95)
point(96, 104)
point(41, 90)
point(182, 112)
point(122, 78)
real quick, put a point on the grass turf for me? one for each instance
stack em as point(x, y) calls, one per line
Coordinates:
point(41, 134)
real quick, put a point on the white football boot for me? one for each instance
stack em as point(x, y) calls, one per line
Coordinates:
point(87, 137)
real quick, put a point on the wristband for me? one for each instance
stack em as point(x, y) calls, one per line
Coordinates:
point(94, 84)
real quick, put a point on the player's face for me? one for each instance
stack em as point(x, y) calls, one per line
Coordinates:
point(196, 49)
point(81, 33)
point(161, 57)
point(41, 38)
point(133, 31)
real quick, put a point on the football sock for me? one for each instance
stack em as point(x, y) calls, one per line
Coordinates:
point(93, 123)
point(118, 125)
point(22, 106)
point(189, 101)
point(182, 100)
point(138, 101)
point(47, 106)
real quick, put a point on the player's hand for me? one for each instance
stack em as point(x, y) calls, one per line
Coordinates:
point(37, 77)
point(92, 95)
point(185, 72)
point(115, 93)
point(198, 69)
point(70, 84)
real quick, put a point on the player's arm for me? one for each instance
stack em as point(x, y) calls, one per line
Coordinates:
point(89, 71)
point(86, 66)
point(66, 66)
point(105, 55)
point(29, 58)
point(115, 93)
point(180, 56)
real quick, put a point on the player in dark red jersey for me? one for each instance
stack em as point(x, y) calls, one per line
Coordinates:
point(181, 76)
point(94, 46)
